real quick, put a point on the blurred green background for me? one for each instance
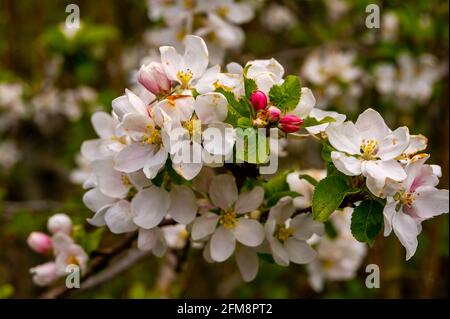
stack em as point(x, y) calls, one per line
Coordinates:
point(64, 79)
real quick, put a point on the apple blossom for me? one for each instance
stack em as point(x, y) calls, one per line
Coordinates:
point(39, 242)
point(59, 223)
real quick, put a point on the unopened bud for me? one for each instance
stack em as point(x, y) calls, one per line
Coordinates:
point(290, 123)
point(39, 242)
point(258, 100)
point(59, 223)
point(273, 114)
point(154, 79)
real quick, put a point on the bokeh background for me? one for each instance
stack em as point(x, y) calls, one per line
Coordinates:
point(52, 80)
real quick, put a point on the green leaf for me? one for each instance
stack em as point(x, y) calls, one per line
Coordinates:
point(266, 257)
point(311, 121)
point(328, 195)
point(250, 86)
point(276, 184)
point(287, 95)
point(367, 221)
point(330, 230)
point(244, 122)
point(240, 106)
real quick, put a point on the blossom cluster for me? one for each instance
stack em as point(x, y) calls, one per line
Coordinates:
point(141, 179)
point(61, 246)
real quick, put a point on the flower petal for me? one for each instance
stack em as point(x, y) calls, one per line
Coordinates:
point(183, 204)
point(223, 191)
point(249, 232)
point(119, 218)
point(371, 125)
point(299, 251)
point(204, 226)
point(133, 157)
point(195, 55)
point(247, 261)
point(104, 124)
point(344, 137)
point(150, 206)
point(249, 201)
point(211, 107)
point(349, 165)
point(305, 226)
point(146, 239)
point(394, 144)
point(406, 230)
point(222, 244)
point(430, 202)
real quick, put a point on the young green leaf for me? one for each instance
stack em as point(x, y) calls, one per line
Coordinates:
point(287, 95)
point(250, 86)
point(328, 195)
point(367, 221)
point(311, 121)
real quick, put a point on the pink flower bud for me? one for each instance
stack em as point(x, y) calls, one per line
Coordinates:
point(39, 242)
point(59, 223)
point(290, 123)
point(154, 79)
point(258, 100)
point(273, 113)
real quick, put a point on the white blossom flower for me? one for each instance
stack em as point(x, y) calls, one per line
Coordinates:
point(278, 17)
point(338, 258)
point(230, 224)
point(412, 201)
point(45, 274)
point(370, 148)
point(68, 253)
point(287, 236)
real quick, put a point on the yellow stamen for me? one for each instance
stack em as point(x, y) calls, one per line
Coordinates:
point(282, 233)
point(184, 77)
point(369, 149)
point(228, 219)
point(72, 260)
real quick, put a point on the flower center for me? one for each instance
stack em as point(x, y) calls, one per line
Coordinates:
point(184, 77)
point(368, 149)
point(404, 198)
point(228, 219)
point(223, 11)
point(282, 233)
point(125, 180)
point(153, 136)
point(189, 4)
point(218, 85)
point(119, 139)
point(72, 260)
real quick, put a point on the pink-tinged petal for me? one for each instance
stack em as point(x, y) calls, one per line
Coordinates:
point(183, 204)
point(371, 125)
point(211, 107)
point(195, 55)
point(247, 261)
point(104, 124)
point(249, 232)
point(95, 149)
point(121, 106)
point(146, 239)
point(98, 219)
point(133, 157)
point(204, 226)
point(417, 143)
point(249, 201)
point(136, 102)
point(155, 163)
point(430, 202)
point(137, 125)
point(305, 226)
point(119, 218)
point(282, 210)
point(150, 206)
point(299, 251)
point(405, 228)
point(344, 138)
point(348, 165)
point(222, 244)
point(223, 191)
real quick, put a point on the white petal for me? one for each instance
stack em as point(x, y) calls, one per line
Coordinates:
point(204, 226)
point(196, 55)
point(306, 103)
point(348, 165)
point(136, 125)
point(371, 125)
point(104, 124)
point(380, 170)
point(187, 170)
point(119, 218)
point(406, 230)
point(249, 232)
point(146, 239)
point(249, 201)
point(240, 13)
point(172, 62)
point(389, 212)
point(305, 226)
point(160, 246)
point(222, 244)
point(218, 139)
point(417, 143)
point(223, 191)
point(394, 144)
point(183, 204)
point(211, 107)
point(279, 253)
point(150, 206)
point(94, 199)
point(133, 157)
point(299, 251)
point(247, 261)
point(344, 137)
